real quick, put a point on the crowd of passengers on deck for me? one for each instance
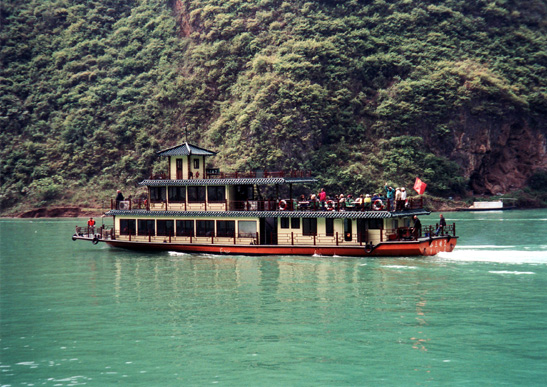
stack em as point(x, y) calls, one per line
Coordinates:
point(395, 199)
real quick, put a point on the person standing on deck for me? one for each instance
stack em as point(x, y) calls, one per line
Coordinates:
point(397, 206)
point(417, 230)
point(91, 226)
point(442, 225)
point(322, 198)
point(119, 198)
point(367, 202)
point(390, 193)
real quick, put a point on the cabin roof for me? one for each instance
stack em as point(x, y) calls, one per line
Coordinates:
point(271, 214)
point(240, 181)
point(254, 214)
point(186, 150)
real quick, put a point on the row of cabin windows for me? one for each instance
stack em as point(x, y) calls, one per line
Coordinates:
point(215, 194)
point(224, 228)
point(309, 225)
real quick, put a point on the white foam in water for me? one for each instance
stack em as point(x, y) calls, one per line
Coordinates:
point(510, 272)
point(399, 267)
point(177, 254)
point(478, 254)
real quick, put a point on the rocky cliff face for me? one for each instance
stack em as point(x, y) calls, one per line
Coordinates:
point(499, 157)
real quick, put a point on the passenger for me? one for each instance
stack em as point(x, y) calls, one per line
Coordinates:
point(314, 205)
point(417, 229)
point(403, 197)
point(390, 193)
point(442, 225)
point(302, 203)
point(359, 203)
point(91, 226)
point(350, 203)
point(322, 198)
point(397, 204)
point(342, 203)
point(119, 198)
point(367, 202)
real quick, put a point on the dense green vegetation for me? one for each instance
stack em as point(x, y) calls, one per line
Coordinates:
point(360, 91)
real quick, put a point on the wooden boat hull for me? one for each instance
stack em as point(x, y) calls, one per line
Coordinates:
point(421, 247)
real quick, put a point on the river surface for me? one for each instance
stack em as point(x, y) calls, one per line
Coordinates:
point(74, 313)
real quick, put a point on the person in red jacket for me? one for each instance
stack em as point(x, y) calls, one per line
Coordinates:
point(91, 225)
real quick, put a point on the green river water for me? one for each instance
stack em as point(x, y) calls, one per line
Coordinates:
point(73, 313)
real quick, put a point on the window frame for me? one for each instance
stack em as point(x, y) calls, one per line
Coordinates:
point(184, 230)
point(199, 196)
point(226, 228)
point(131, 230)
point(205, 228)
point(164, 230)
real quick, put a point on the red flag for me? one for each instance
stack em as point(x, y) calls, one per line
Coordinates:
point(419, 186)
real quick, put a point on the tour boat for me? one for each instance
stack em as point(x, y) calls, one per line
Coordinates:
point(194, 209)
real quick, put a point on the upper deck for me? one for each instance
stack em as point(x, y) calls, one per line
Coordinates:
point(188, 186)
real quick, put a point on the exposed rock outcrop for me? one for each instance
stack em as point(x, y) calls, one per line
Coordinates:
point(499, 157)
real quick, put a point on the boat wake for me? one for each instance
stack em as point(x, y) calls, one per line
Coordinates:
point(177, 254)
point(497, 254)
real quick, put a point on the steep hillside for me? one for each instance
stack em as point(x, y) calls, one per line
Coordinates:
point(362, 92)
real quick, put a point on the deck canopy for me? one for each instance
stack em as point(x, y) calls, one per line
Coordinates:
point(267, 214)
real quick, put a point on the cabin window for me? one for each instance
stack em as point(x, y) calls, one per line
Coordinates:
point(185, 228)
point(177, 194)
point(216, 194)
point(329, 227)
point(157, 194)
point(309, 226)
point(295, 222)
point(166, 227)
point(247, 228)
point(285, 222)
point(127, 227)
point(147, 227)
point(196, 163)
point(226, 228)
point(205, 227)
point(196, 194)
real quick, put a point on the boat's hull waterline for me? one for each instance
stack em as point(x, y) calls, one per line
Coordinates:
point(423, 246)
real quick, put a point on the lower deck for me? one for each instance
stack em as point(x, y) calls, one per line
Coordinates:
point(290, 234)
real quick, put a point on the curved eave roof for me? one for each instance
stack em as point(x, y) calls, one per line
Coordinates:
point(206, 182)
point(269, 214)
point(186, 150)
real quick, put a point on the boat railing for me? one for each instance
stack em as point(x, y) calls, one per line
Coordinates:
point(130, 204)
point(437, 230)
point(99, 232)
point(267, 205)
point(315, 205)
